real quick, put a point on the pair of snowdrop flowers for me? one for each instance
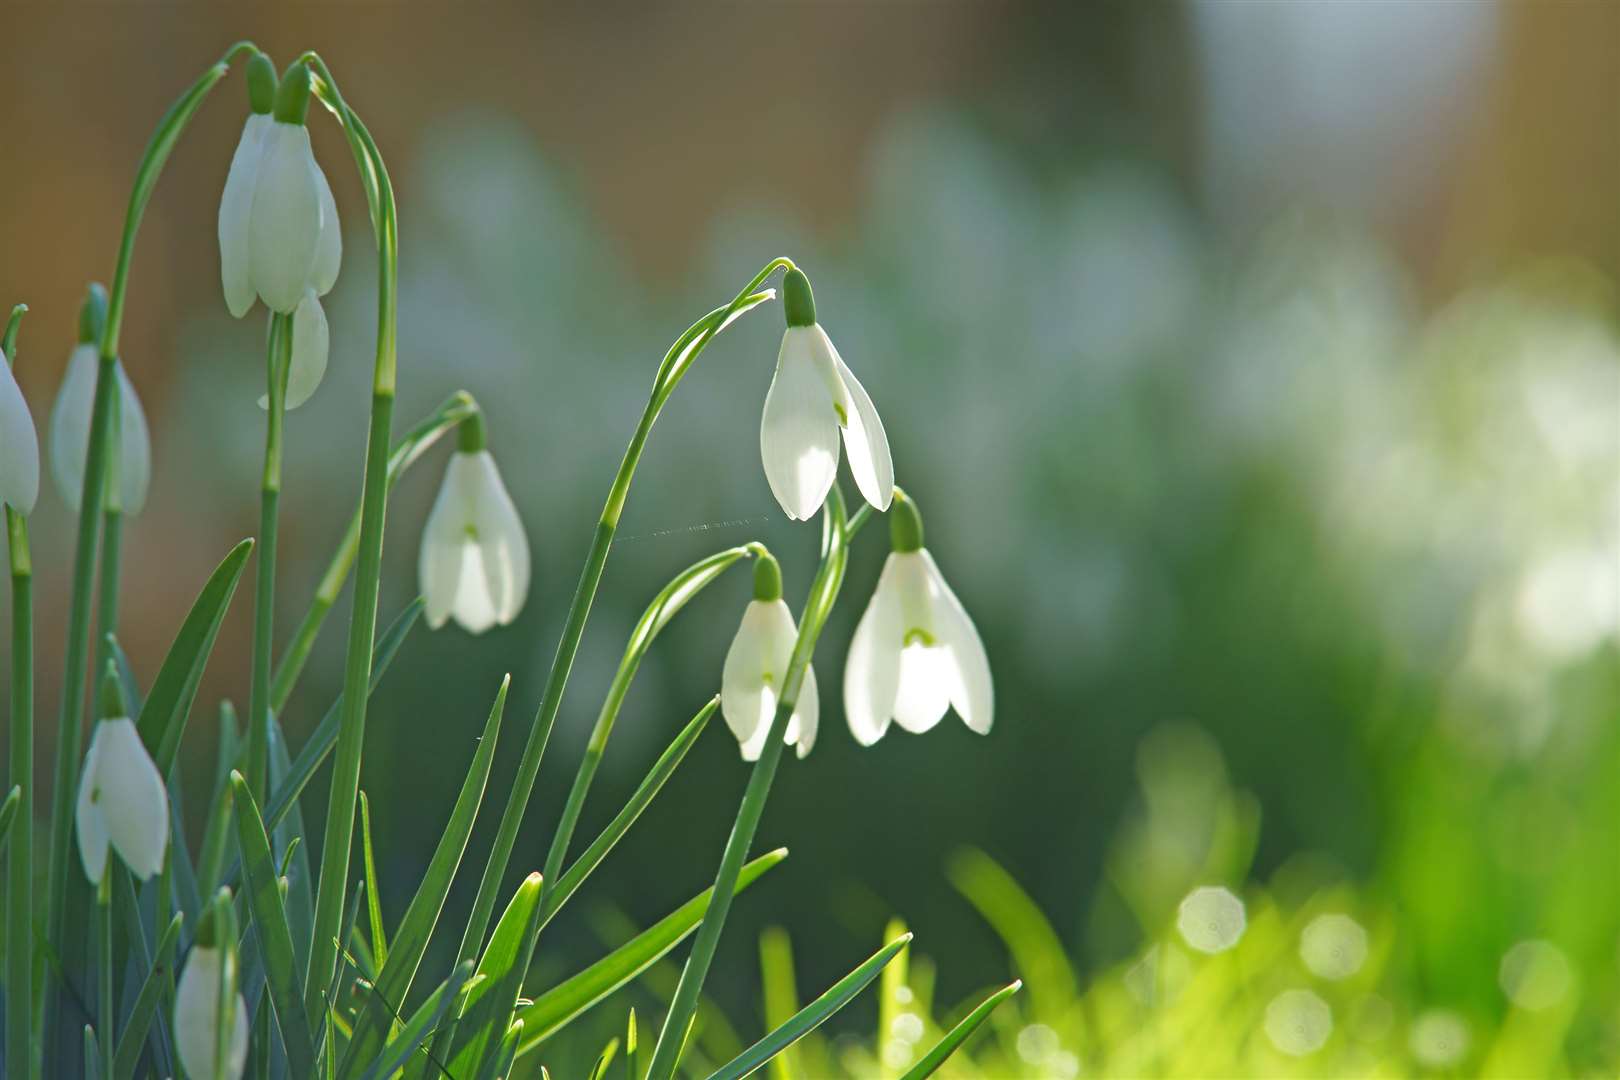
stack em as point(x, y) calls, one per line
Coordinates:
point(279, 237)
point(70, 427)
point(916, 652)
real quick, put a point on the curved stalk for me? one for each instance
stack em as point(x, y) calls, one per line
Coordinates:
point(337, 845)
point(20, 855)
point(823, 593)
point(278, 360)
point(69, 733)
point(456, 408)
point(676, 361)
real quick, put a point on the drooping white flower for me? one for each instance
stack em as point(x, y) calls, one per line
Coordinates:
point(756, 665)
point(196, 1010)
point(278, 227)
point(915, 652)
point(122, 802)
point(474, 564)
point(70, 432)
point(19, 445)
point(311, 342)
point(813, 397)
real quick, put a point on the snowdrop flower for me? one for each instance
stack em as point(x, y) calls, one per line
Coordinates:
point(915, 651)
point(196, 1004)
point(122, 800)
point(71, 413)
point(278, 227)
point(813, 397)
point(756, 664)
point(19, 445)
point(474, 563)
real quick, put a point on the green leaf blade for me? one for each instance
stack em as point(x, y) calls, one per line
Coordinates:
point(492, 1001)
point(954, 1038)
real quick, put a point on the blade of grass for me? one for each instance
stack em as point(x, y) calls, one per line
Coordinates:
point(958, 1034)
point(153, 989)
point(1037, 950)
point(781, 994)
point(398, 968)
point(379, 936)
point(812, 1015)
point(557, 1007)
point(8, 812)
point(606, 1059)
point(421, 1024)
point(275, 939)
point(490, 1004)
point(891, 988)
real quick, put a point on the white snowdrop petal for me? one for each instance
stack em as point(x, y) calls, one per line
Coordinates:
point(924, 690)
point(70, 424)
point(798, 432)
point(196, 1011)
point(864, 437)
point(971, 689)
point(235, 210)
point(134, 446)
point(872, 672)
point(311, 341)
point(807, 713)
point(19, 445)
point(741, 688)
point(474, 561)
point(285, 224)
point(329, 248)
point(134, 802)
point(474, 606)
point(89, 821)
point(503, 540)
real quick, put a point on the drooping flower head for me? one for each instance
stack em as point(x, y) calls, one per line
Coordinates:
point(122, 801)
point(209, 978)
point(19, 445)
point(474, 563)
point(813, 397)
point(751, 683)
point(72, 411)
point(915, 652)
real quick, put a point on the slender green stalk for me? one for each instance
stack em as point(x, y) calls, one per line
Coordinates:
point(278, 359)
point(20, 865)
point(823, 592)
point(337, 845)
point(112, 532)
point(75, 654)
point(104, 964)
point(456, 408)
point(675, 364)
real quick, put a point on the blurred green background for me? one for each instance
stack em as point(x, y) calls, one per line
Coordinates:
point(1257, 369)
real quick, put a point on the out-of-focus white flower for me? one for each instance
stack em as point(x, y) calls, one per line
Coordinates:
point(474, 564)
point(1211, 919)
point(814, 396)
point(70, 432)
point(19, 445)
point(1298, 1022)
point(122, 802)
point(756, 665)
point(278, 226)
point(915, 652)
point(196, 1008)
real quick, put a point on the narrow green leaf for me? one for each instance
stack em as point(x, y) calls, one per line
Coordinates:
point(891, 990)
point(281, 965)
point(490, 1003)
point(153, 989)
point(812, 1015)
point(163, 716)
point(91, 1067)
point(606, 1059)
point(499, 1063)
point(661, 771)
point(8, 811)
point(958, 1034)
point(781, 994)
point(630, 1072)
point(177, 868)
point(126, 674)
point(398, 969)
point(422, 1023)
point(1037, 948)
point(217, 833)
point(551, 1011)
point(379, 936)
point(289, 838)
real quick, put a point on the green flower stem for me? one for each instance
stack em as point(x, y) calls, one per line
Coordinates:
point(676, 361)
point(277, 362)
point(112, 534)
point(20, 855)
point(84, 557)
point(457, 408)
point(823, 593)
point(104, 962)
point(338, 842)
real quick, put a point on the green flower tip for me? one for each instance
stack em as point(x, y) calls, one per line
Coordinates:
point(905, 523)
point(113, 704)
point(798, 301)
point(292, 97)
point(93, 314)
point(767, 576)
point(261, 83)
point(470, 437)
